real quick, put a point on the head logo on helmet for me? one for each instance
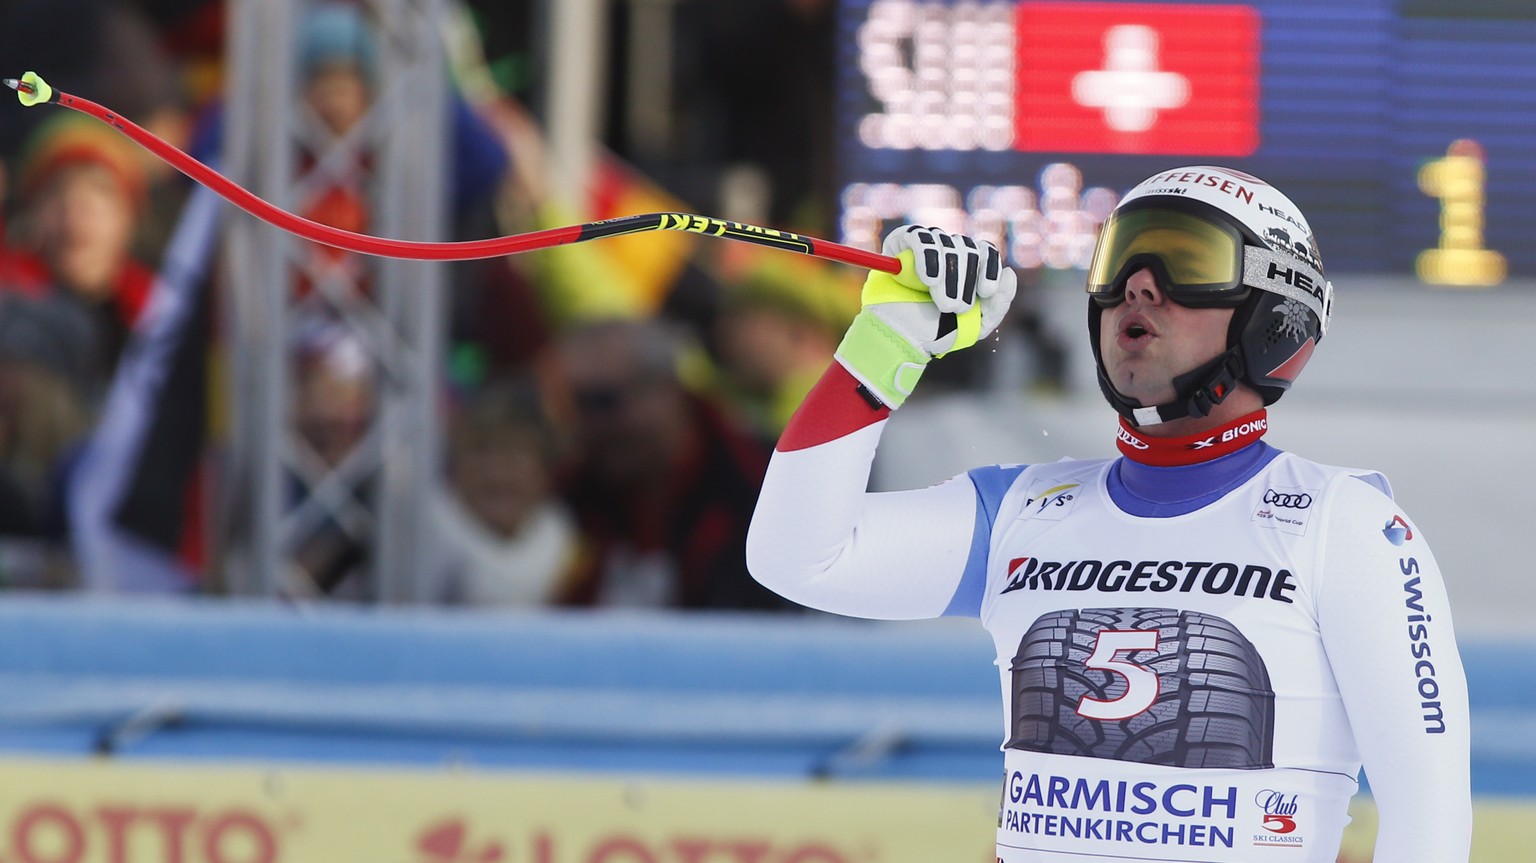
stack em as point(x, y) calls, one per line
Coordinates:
point(1281, 302)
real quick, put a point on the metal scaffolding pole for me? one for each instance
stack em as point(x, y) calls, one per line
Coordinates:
point(411, 203)
point(282, 490)
point(573, 99)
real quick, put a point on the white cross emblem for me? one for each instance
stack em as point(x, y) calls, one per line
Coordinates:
point(1130, 88)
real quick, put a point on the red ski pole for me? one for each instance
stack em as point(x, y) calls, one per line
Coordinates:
point(33, 90)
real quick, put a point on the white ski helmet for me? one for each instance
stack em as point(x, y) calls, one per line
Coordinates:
point(1215, 237)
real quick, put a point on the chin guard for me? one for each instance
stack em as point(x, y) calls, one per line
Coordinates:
point(1196, 393)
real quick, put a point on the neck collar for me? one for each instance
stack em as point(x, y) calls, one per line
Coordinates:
point(1191, 449)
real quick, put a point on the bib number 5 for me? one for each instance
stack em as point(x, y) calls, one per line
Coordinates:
point(1153, 685)
point(1141, 685)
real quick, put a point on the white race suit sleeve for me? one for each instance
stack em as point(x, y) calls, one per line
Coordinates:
point(819, 539)
point(1386, 627)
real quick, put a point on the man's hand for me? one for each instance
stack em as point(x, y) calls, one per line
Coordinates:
point(952, 292)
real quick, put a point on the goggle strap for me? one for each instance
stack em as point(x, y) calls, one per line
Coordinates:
point(1289, 277)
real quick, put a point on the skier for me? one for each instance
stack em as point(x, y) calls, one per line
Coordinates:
point(1200, 642)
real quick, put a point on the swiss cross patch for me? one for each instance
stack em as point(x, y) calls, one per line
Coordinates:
point(1137, 78)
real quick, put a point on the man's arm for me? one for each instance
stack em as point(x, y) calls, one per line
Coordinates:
point(1386, 625)
point(817, 537)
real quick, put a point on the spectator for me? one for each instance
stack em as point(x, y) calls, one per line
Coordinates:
point(661, 482)
point(41, 418)
point(504, 537)
point(333, 406)
point(337, 58)
point(337, 61)
point(43, 347)
point(780, 321)
point(338, 67)
point(81, 190)
point(132, 489)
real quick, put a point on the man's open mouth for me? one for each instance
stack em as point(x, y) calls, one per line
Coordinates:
point(1135, 328)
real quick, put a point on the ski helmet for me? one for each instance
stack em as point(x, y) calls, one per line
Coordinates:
point(1215, 237)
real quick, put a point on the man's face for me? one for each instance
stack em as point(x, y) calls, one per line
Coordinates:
point(84, 223)
point(760, 347)
point(340, 96)
point(502, 480)
point(628, 423)
point(332, 411)
point(1148, 340)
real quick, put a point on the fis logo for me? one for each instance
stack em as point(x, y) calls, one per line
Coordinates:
point(1397, 531)
point(1050, 501)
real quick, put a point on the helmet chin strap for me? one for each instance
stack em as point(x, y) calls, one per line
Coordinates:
point(1196, 392)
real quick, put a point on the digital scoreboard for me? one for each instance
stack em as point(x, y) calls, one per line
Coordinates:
point(1404, 129)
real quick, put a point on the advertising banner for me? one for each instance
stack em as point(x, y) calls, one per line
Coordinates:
point(71, 811)
point(115, 812)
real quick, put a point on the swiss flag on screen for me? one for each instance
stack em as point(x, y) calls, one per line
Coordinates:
point(1137, 78)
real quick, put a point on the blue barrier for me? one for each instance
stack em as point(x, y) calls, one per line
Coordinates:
point(692, 693)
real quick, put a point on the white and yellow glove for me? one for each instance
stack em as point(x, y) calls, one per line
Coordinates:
point(952, 292)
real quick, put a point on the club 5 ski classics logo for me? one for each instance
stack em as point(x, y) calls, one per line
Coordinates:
point(1279, 816)
point(1285, 509)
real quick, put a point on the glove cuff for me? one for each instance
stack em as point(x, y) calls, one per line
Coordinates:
point(881, 359)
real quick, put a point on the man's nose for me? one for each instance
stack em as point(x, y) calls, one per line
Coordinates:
point(1141, 288)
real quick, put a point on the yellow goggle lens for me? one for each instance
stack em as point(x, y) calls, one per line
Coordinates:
point(1198, 255)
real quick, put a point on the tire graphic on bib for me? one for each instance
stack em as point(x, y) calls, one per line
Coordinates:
point(1151, 685)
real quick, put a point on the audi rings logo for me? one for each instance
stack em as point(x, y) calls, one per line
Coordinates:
point(1288, 500)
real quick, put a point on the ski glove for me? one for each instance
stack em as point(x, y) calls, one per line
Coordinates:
point(952, 292)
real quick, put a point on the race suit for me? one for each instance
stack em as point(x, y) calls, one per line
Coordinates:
point(1196, 654)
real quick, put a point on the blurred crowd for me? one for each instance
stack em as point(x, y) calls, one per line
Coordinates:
point(608, 412)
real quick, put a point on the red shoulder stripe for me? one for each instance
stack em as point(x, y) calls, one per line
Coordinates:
point(834, 408)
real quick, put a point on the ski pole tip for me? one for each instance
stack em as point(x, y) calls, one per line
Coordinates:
point(30, 89)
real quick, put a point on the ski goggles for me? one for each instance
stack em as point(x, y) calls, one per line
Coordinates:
point(1199, 262)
